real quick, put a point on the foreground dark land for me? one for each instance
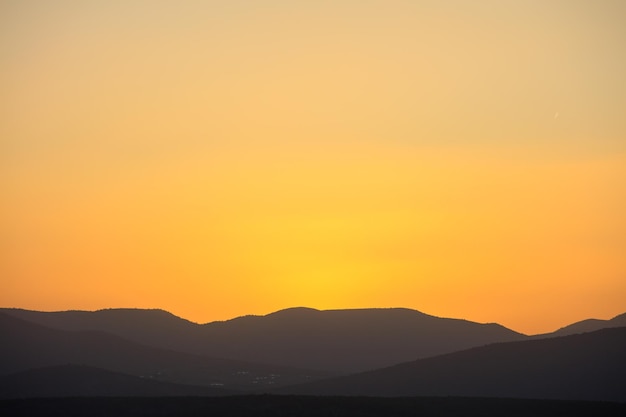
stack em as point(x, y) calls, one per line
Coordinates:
point(273, 405)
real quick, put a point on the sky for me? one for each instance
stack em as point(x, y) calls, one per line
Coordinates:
point(221, 158)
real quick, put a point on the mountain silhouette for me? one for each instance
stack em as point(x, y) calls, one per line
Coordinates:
point(339, 341)
point(28, 345)
point(151, 327)
point(590, 325)
point(347, 340)
point(589, 366)
point(84, 381)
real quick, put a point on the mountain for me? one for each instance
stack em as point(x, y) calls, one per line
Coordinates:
point(347, 340)
point(151, 327)
point(83, 381)
point(340, 341)
point(590, 325)
point(28, 345)
point(589, 366)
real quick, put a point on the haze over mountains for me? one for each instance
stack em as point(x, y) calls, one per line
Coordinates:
point(400, 351)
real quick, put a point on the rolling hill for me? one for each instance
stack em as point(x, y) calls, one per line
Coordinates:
point(589, 366)
point(340, 341)
point(84, 381)
point(590, 325)
point(28, 345)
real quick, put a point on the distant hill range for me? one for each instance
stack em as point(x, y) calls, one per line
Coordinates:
point(84, 381)
point(588, 366)
point(338, 341)
point(588, 325)
point(27, 345)
point(412, 353)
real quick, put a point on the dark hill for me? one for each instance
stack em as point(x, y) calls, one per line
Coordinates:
point(590, 325)
point(27, 345)
point(589, 366)
point(347, 340)
point(151, 327)
point(332, 340)
point(83, 381)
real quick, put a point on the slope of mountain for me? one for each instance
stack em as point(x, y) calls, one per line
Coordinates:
point(347, 340)
point(153, 327)
point(332, 340)
point(589, 366)
point(28, 345)
point(590, 325)
point(84, 381)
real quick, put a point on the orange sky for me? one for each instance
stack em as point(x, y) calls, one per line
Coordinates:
point(220, 158)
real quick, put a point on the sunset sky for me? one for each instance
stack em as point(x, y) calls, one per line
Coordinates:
point(220, 158)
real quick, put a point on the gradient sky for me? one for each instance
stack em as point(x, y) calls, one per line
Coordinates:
point(221, 158)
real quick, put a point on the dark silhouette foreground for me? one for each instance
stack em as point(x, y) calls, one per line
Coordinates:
point(283, 406)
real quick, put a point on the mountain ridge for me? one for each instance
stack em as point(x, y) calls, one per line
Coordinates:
point(340, 341)
point(587, 366)
point(31, 345)
point(591, 325)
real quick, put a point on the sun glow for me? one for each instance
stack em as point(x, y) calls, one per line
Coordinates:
point(219, 159)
